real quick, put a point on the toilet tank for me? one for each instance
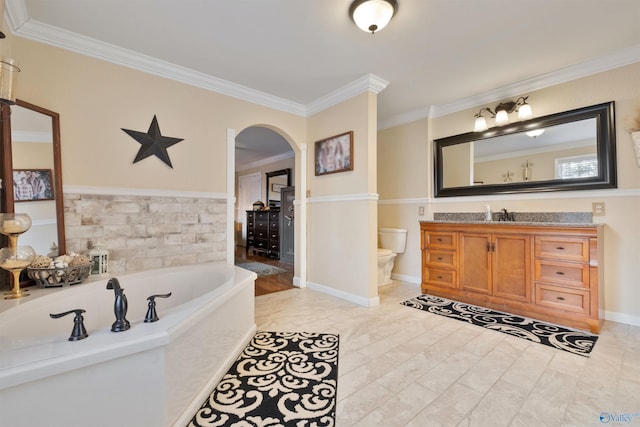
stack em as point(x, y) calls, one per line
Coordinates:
point(394, 239)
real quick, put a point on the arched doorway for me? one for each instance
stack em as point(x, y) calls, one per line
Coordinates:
point(265, 170)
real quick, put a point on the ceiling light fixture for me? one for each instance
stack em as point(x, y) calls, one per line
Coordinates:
point(502, 112)
point(372, 15)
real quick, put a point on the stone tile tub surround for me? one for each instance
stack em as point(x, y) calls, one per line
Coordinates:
point(146, 232)
point(521, 217)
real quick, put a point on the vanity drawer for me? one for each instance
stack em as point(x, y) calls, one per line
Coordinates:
point(563, 298)
point(441, 259)
point(440, 239)
point(440, 277)
point(562, 248)
point(566, 274)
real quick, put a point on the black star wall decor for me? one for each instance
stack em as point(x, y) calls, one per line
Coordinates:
point(153, 142)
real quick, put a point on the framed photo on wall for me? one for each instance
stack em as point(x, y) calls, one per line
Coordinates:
point(32, 184)
point(334, 154)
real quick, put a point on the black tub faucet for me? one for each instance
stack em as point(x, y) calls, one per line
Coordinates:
point(119, 306)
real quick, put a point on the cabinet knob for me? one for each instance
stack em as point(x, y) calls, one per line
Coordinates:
point(560, 273)
point(560, 248)
point(560, 298)
point(439, 239)
point(439, 258)
point(439, 277)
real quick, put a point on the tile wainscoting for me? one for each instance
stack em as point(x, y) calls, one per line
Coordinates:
point(149, 231)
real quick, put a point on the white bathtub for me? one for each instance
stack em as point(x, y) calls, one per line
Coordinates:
point(154, 374)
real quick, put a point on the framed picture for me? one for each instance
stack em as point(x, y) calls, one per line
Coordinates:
point(32, 184)
point(277, 187)
point(334, 154)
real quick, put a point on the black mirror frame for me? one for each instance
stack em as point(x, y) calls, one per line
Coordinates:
point(606, 146)
point(280, 172)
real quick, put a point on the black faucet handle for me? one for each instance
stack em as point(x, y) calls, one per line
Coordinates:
point(79, 332)
point(152, 315)
point(152, 297)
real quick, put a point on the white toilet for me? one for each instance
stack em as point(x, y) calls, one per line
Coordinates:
point(392, 242)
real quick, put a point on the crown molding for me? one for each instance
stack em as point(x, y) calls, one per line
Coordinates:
point(366, 83)
point(67, 40)
point(23, 26)
point(608, 62)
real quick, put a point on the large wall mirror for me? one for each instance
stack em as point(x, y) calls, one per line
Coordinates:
point(573, 150)
point(277, 180)
point(32, 175)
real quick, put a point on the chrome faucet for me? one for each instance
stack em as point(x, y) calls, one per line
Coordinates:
point(119, 306)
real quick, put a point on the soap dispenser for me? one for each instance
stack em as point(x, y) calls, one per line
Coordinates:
point(487, 213)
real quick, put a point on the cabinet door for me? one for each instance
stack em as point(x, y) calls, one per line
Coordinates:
point(475, 262)
point(512, 266)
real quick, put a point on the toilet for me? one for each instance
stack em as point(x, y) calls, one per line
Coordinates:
point(392, 242)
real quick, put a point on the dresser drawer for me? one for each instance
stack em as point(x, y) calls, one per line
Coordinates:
point(260, 243)
point(440, 259)
point(262, 216)
point(566, 274)
point(562, 248)
point(440, 239)
point(440, 277)
point(562, 298)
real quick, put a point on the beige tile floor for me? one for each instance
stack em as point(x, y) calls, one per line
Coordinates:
point(400, 366)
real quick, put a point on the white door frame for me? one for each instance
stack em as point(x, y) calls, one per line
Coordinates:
point(301, 201)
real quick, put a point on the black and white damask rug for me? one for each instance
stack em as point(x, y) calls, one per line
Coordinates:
point(279, 379)
point(573, 341)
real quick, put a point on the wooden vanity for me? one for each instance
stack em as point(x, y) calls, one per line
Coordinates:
point(545, 271)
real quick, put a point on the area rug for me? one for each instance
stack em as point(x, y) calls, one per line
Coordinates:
point(573, 341)
point(280, 379)
point(261, 269)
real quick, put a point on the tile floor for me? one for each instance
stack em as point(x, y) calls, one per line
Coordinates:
point(404, 367)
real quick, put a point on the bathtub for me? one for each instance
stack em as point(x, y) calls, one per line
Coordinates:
point(154, 374)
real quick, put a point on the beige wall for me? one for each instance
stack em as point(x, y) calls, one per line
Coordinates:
point(96, 99)
point(622, 231)
point(342, 210)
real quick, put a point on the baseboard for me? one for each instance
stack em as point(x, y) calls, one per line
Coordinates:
point(365, 302)
point(627, 319)
point(406, 278)
point(299, 283)
point(206, 390)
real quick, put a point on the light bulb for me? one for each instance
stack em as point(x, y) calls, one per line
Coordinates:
point(480, 125)
point(524, 111)
point(502, 117)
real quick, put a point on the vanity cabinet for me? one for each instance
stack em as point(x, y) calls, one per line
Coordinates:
point(496, 264)
point(548, 272)
point(263, 232)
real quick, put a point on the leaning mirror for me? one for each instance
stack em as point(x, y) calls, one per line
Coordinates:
point(573, 150)
point(32, 174)
point(277, 180)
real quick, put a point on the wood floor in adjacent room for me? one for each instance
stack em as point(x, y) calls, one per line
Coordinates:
point(268, 284)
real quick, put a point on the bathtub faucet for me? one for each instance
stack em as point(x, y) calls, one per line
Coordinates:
point(119, 306)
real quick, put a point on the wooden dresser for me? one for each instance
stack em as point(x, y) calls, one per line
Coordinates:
point(548, 272)
point(263, 232)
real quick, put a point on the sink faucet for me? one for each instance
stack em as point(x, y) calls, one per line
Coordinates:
point(119, 306)
point(506, 216)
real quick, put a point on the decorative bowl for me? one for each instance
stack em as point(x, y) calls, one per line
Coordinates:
point(59, 276)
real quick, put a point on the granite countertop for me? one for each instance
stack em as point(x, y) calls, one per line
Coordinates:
point(557, 219)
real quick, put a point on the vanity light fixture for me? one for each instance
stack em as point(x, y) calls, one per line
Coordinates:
point(502, 112)
point(8, 79)
point(372, 15)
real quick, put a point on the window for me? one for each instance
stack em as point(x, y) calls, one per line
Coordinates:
point(576, 166)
